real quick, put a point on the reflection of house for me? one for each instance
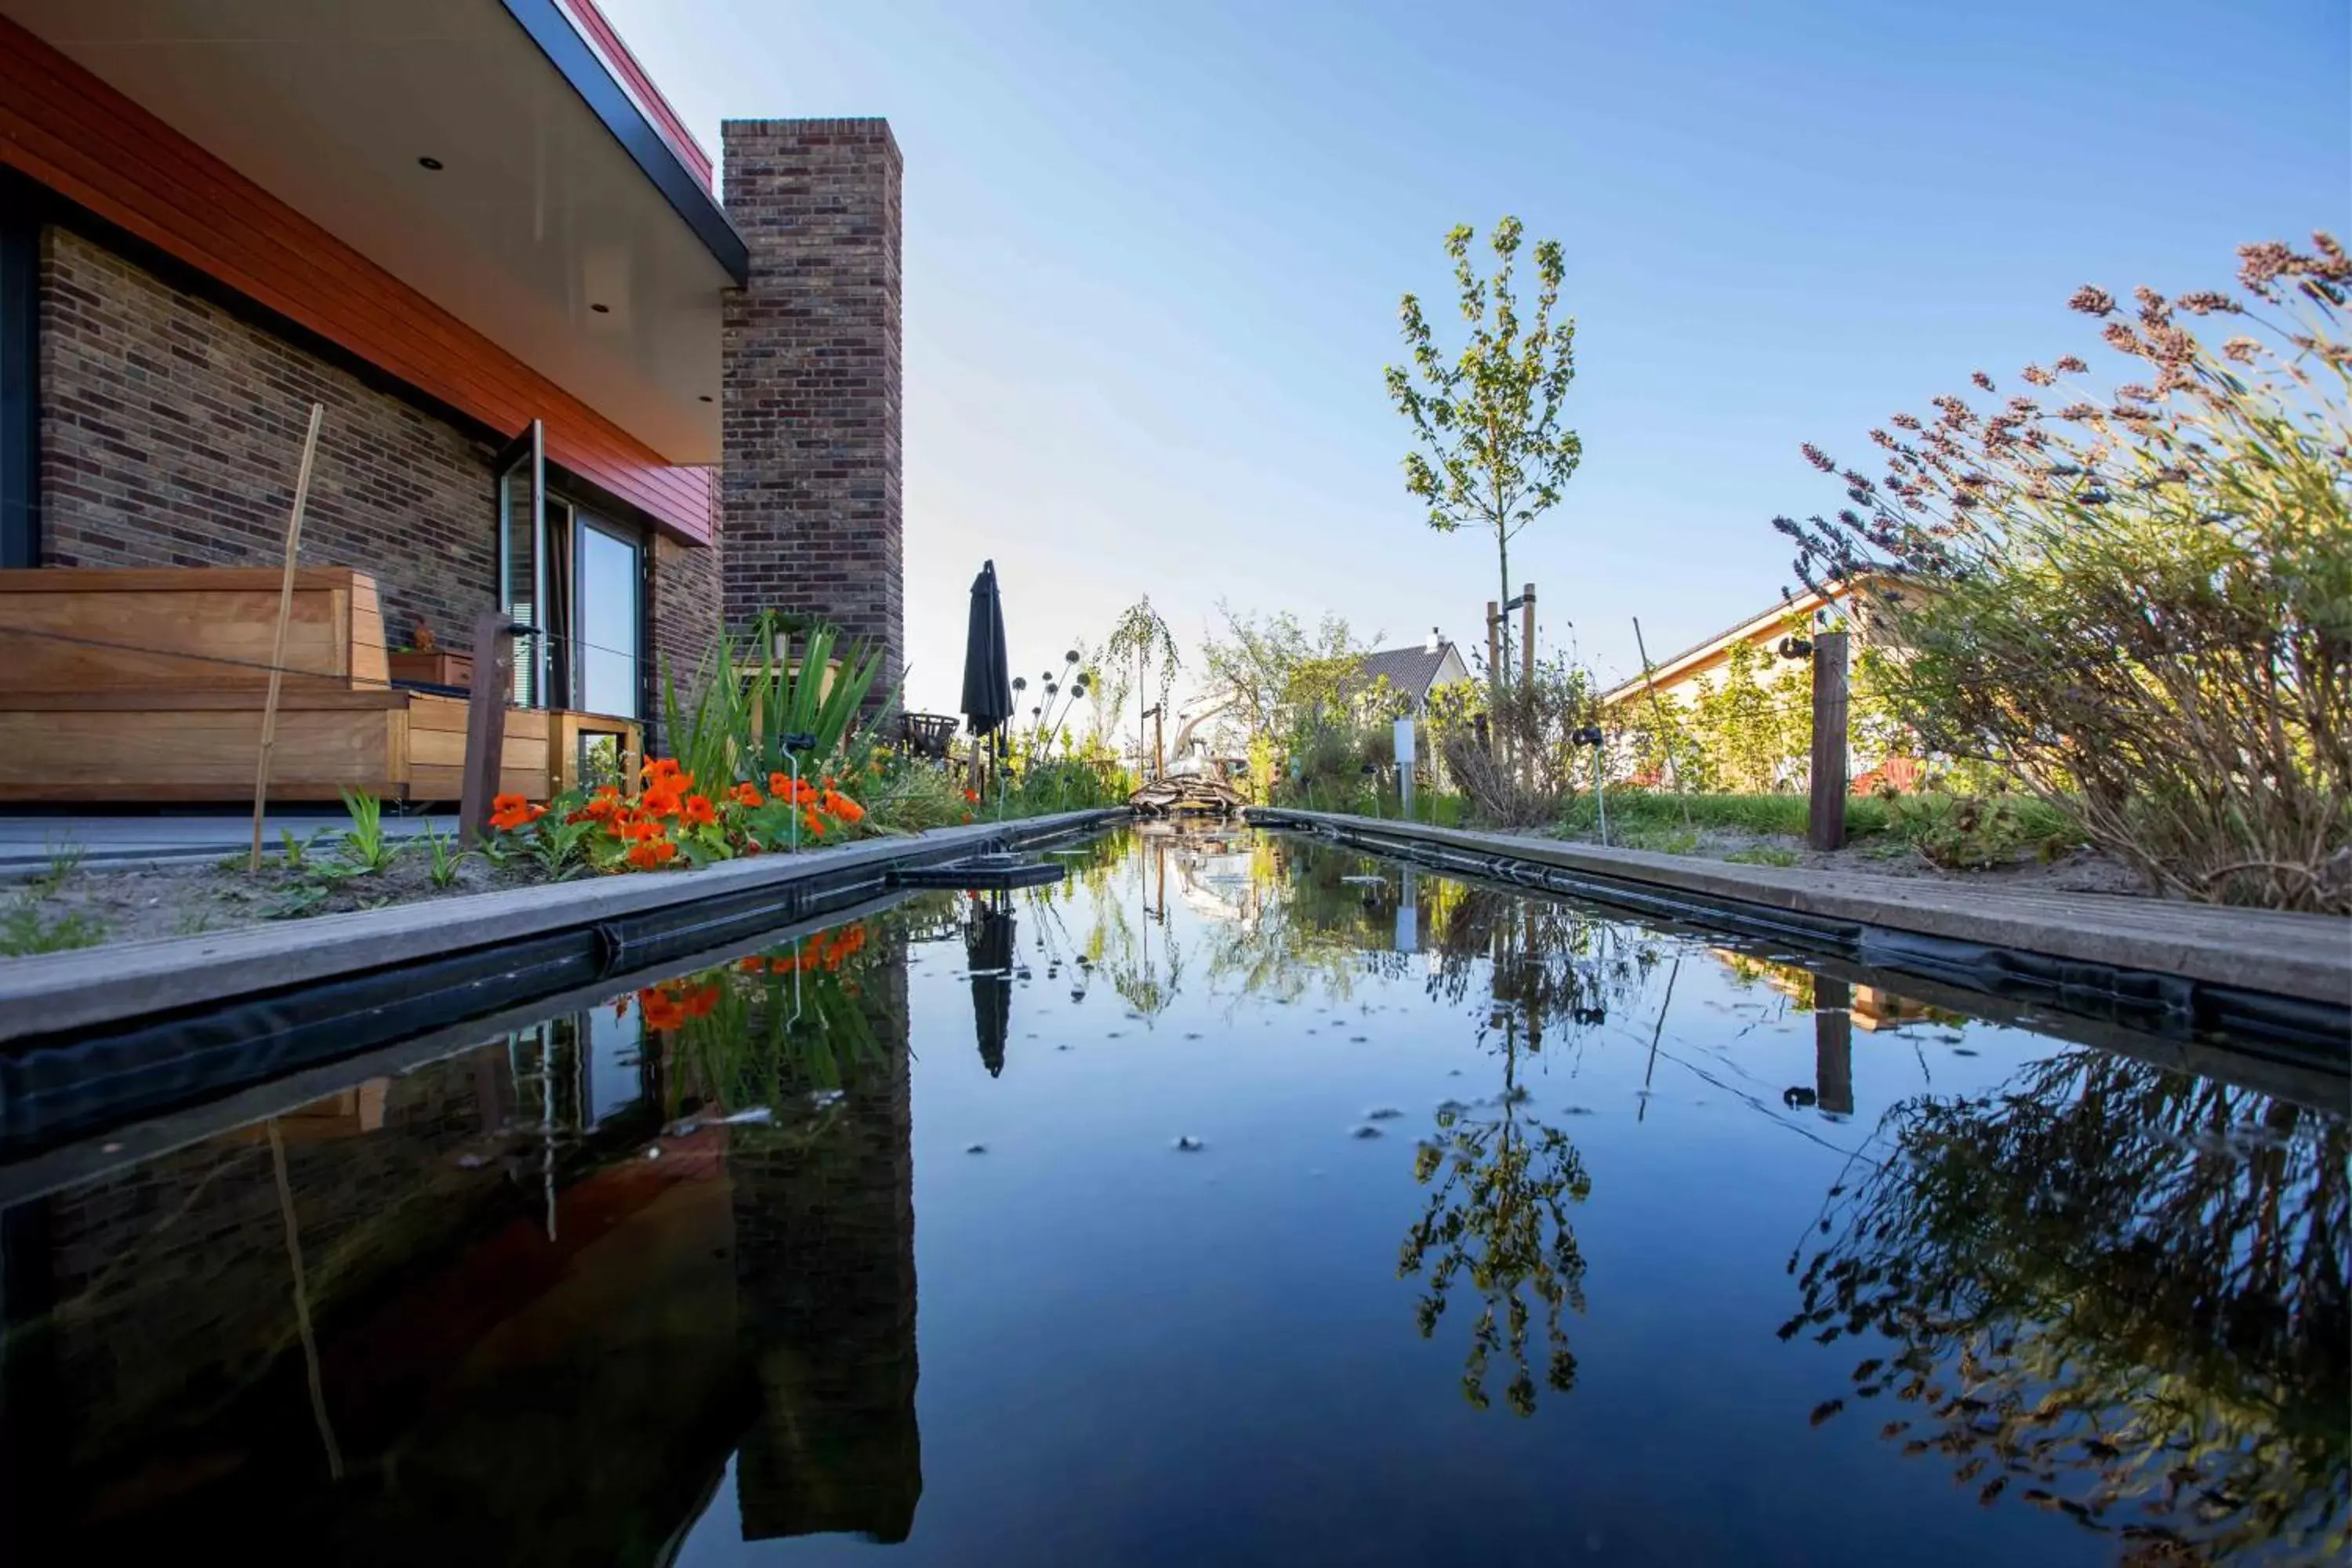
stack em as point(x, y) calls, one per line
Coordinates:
point(442, 1335)
point(1875, 1009)
point(1407, 673)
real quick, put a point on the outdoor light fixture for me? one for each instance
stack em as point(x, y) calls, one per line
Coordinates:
point(1590, 735)
point(795, 741)
point(1796, 647)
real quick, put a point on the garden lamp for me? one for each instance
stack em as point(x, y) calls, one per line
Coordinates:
point(1590, 735)
point(795, 741)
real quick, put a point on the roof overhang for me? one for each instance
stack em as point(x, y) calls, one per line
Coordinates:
point(570, 220)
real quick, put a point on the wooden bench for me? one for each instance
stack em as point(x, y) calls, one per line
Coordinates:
point(148, 685)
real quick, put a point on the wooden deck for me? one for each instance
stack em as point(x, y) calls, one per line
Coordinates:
point(148, 687)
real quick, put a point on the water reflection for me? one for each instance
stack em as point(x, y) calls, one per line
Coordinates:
point(639, 1282)
point(2114, 1291)
point(520, 1304)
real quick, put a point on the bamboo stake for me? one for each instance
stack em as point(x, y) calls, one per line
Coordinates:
point(1650, 688)
point(278, 645)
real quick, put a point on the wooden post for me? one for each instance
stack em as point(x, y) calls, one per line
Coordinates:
point(1528, 637)
point(1833, 1046)
point(278, 644)
point(1494, 646)
point(1829, 741)
point(1657, 720)
point(486, 723)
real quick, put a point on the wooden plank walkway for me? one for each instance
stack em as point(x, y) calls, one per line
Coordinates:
point(2307, 957)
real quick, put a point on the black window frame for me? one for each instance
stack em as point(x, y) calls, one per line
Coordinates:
point(21, 216)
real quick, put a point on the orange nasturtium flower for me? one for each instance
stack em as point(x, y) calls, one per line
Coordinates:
point(747, 795)
point(653, 853)
point(660, 1010)
point(699, 812)
point(660, 801)
point(509, 812)
point(814, 823)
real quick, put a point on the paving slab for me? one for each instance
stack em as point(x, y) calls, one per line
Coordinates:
point(2307, 957)
point(87, 987)
point(31, 841)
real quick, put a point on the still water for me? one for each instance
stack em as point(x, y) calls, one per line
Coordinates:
point(1234, 1201)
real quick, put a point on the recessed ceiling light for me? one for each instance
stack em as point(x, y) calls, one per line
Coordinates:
point(602, 310)
point(431, 164)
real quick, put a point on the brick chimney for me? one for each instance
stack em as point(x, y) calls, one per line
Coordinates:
point(811, 515)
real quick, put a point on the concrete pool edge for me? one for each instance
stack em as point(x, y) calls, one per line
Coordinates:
point(2173, 955)
point(108, 986)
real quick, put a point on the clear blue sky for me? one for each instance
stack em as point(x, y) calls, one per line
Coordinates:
point(1154, 252)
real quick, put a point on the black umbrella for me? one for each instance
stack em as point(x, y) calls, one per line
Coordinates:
point(989, 946)
point(987, 677)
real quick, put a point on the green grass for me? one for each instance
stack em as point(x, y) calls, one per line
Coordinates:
point(1764, 855)
point(25, 930)
point(2025, 824)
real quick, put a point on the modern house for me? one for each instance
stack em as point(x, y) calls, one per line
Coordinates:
point(1411, 673)
point(570, 371)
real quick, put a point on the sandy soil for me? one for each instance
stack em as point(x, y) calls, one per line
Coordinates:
point(182, 900)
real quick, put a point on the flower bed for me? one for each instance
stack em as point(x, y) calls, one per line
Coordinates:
point(668, 824)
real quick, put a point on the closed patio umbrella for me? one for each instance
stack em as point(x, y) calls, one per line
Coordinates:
point(989, 945)
point(987, 674)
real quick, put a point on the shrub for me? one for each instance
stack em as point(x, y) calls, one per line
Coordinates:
point(1523, 770)
point(2139, 603)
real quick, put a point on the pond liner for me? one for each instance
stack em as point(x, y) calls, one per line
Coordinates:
point(2287, 1028)
point(56, 1088)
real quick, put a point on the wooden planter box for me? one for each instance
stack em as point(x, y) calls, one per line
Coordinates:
point(438, 668)
point(149, 686)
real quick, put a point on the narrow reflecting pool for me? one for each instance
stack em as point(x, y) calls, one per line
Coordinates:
point(1234, 1201)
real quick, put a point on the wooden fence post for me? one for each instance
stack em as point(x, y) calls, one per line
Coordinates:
point(1494, 646)
point(1830, 705)
point(486, 723)
point(1528, 637)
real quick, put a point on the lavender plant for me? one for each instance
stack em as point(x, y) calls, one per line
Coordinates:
point(2137, 597)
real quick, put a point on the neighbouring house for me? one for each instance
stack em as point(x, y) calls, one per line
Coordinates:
point(1411, 673)
point(1679, 680)
point(571, 369)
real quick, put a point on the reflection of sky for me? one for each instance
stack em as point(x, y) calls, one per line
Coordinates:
point(1134, 1355)
point(613, 1057)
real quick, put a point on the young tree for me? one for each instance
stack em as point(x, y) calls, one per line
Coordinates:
point(1491, 449)
point(1141, 639)
point(1273, 663)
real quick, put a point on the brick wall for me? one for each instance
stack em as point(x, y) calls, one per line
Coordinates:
point(171, 431)
point(687, 593)
point(811, 380)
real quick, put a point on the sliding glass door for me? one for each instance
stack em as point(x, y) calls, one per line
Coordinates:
point(608, 611)
point(523, 561)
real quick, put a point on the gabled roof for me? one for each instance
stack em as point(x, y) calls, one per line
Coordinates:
point(1408, 670)
point(1707, 652)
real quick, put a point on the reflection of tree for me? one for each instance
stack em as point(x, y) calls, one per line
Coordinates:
point(1500, 1179)
point(1499, 1213)
point(2112, 1284)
